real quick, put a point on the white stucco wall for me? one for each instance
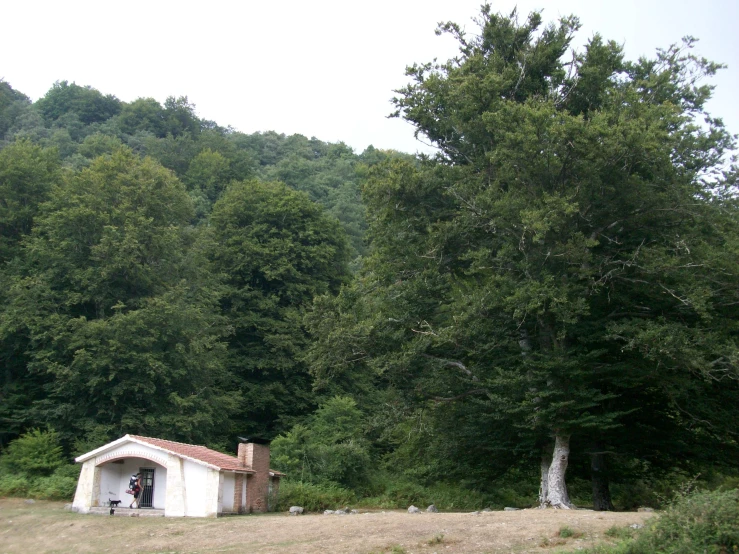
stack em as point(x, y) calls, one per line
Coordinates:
point(195, 488)
point(160, 487)
point(110, 484)
point(213, 492)
point(229, 482)
point(176, 493)
point(86, 495)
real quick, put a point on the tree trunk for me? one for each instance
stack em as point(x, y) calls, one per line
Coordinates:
point(546, 461)
point(557, 496)
point(599, 476)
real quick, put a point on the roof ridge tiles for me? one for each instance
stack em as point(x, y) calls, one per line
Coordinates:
point(173, 442)
point(196, 452)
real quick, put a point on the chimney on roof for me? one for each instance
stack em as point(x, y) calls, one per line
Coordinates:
point(256, 457)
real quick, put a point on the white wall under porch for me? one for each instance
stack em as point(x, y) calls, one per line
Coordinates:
point(115, 476)
point(227, 502)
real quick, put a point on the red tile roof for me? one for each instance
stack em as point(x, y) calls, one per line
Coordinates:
point(195, 452)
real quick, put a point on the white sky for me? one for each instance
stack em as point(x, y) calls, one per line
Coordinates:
point(320, 68)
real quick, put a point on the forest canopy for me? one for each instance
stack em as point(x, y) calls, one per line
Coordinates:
point(556, 287)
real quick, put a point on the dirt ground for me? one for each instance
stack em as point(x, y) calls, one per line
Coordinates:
point(45, 527)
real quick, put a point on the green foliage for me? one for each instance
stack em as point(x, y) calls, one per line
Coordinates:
point(32, 465)
point(116, 254)
point(88, 104)
point(329, 448)
point(112, 294)
point(567, 532)
point(27, 174)
point(143, 114)
point(649, 489)
point(277, 250)
point(54, 487)
point(620, 533)
point(12, 484)
point(565, 265)
point(208, 173)
point(179, 140)
point(699, 522)
point(173, 152)
point(390, 490)
point(180, 118)
point(517, 488)
point(12, 104)
point(34, 454)
point(312, 497)
point(328, 174)
point(98, 144)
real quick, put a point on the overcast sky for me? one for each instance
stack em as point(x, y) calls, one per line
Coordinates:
point(320, 68)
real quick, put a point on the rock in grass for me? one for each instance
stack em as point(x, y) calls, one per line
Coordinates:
point(296, 510)
point(414, 510)
point(432, 509)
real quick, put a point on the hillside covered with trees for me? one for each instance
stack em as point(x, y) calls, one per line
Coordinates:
point(546, 310)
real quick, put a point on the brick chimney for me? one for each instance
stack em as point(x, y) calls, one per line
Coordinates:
point(256, 457)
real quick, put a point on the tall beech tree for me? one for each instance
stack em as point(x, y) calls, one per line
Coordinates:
point(27, 175)
point(276, 250)
point(120, 318)
point(569, 253)
point(12, 104)
point(88, 104)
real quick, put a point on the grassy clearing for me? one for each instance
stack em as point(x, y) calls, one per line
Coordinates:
point(45, 527)
point(706, 522)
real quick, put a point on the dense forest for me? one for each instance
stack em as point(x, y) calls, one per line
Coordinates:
point(546, 311)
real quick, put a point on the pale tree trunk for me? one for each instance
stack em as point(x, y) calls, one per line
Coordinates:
point(546, 461)
point(557, 496)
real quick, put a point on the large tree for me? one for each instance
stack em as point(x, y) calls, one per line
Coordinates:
point(276, 251)
point(566, 262)
point(27, 175)
point(119, 316)
point(87, 103)
point(12, 104)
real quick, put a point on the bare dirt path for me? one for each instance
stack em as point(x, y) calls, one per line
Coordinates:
point(45, 527)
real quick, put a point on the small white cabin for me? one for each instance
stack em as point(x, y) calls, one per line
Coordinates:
point(178, 479)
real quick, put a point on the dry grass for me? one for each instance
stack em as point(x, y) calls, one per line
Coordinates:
point(45, 527)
